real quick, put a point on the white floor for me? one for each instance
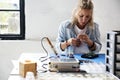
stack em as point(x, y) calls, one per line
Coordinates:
point(10, 50)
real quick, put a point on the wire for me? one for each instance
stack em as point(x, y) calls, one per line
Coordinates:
point(44, 47)
point(43, 66)
point(45, 57)
point(48, 58)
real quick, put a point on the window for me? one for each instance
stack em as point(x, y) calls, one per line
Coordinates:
point(12, 19)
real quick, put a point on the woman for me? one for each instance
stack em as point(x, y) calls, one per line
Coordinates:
point(80, 34)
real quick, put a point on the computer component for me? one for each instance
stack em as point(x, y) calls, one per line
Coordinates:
point(89, 55)
point(64, 65)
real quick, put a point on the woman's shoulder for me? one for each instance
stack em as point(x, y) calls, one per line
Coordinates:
point(66, 22)
point(95, 24)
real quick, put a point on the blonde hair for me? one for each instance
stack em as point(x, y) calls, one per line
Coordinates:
point(83, 4)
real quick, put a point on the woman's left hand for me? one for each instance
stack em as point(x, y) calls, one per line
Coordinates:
point(83, 38)
point(86, 39)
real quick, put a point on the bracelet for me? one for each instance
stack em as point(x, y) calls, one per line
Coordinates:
point(93, 47)
point(66, 43)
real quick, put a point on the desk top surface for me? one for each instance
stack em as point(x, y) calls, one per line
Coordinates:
point(99, 59)
point(63, 76)
point(68, 76)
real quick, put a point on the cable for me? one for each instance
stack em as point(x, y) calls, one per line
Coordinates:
point(44, 50)
point(43, 57)
point(46, 57)
point(44, 47)
point(45, 69)
point(52, 47)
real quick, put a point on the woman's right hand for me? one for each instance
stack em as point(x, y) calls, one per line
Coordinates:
point(74, 42)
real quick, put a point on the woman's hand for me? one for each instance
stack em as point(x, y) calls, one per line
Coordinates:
point(71, 41)
point(85, 38)
point(74, 42)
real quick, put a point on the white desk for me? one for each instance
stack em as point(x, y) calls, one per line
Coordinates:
point(14, 75)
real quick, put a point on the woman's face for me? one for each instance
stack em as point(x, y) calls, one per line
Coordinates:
point(83, 17)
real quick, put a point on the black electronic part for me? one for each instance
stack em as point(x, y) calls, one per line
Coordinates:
point(89, 55)
point(70, 55)
point(85, 61)
point(79, 71)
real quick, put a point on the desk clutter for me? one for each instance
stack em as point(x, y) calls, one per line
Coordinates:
point(31, 63)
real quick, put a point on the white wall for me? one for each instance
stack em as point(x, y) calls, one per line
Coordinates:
point(107, 14)
point(44, 16)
